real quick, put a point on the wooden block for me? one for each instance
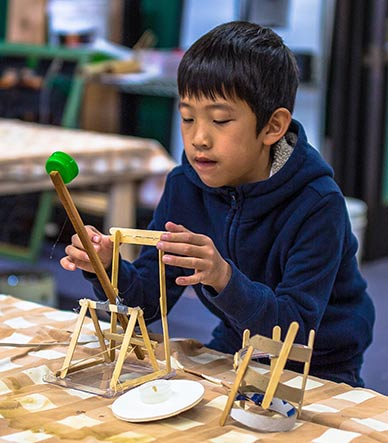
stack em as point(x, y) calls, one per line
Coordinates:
point(26, 21)
point(104, 118)
point(100, 108)
point(116, 10)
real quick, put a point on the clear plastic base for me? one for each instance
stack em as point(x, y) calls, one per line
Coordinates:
point(96, 379)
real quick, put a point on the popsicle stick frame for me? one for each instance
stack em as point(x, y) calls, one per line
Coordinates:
point(62, 169)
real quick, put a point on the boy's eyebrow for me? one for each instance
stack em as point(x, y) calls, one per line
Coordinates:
point(221, 106)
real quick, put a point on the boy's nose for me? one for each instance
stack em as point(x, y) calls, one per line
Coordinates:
point(201, 139)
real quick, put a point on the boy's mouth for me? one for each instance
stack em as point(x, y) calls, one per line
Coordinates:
point(204, 162)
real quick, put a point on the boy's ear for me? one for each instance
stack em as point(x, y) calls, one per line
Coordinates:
point(277, 126)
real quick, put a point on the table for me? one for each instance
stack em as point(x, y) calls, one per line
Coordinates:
point(34, 411)
point(117, 161)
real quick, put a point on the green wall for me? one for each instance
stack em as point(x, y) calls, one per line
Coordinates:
point(3, 18)
point(163, 17)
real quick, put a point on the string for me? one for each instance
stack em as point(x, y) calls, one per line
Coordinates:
point(44, 344)
point(57, 239)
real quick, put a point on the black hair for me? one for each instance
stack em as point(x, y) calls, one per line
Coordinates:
point(241, 60)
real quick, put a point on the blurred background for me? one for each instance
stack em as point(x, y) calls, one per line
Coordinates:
point(110, 67)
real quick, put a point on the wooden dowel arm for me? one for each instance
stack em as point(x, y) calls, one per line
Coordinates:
point(80, 229)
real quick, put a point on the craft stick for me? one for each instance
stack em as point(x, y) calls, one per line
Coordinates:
point(163, 310)
point(142, 379)
point(138, 236)
point(123, 351)
point(246, 337)
point(106, 354)
point(135, 340)
point(237, 382)
point(80, 229)
point(74, 339)
point(113, 330)
point(87, 362)
point(276, 335)
point(115, 260)
point(306, 369)
point(78, 366)
point(280, 363)
point(147, 342)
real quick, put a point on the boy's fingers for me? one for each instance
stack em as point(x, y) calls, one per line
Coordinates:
point(67, 264)
point(76, 254)
point(94, 233)
point(92, 228)
point(173, 227)
point(190, 280)
point(184, 238)
point(180, 234)
point(186, 249)
point(96, 240)
point(71, 264)
point(182, 262)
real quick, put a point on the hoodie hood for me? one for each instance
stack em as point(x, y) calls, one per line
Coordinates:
point(304, 166)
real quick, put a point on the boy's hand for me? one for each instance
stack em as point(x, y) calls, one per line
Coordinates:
point(186, 249)
point(77, 257)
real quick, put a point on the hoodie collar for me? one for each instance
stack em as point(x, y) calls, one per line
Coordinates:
point(281, 152)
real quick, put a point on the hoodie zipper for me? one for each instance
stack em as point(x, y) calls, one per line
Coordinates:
point(230, 233)
point(233, 199)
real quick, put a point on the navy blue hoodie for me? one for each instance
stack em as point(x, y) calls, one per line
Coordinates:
point(288, 240)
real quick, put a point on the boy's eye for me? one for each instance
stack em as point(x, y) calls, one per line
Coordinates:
point(187, 120)
point(221, 122)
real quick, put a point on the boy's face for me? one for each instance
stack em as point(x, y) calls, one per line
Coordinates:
point(220, 141)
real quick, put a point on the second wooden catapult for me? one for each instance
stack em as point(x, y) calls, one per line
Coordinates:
point(121, 339)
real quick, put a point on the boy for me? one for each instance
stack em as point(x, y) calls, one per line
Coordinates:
point(254, 220)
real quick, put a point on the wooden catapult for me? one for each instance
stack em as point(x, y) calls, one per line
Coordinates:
point(269, 384)
point(62, 169)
